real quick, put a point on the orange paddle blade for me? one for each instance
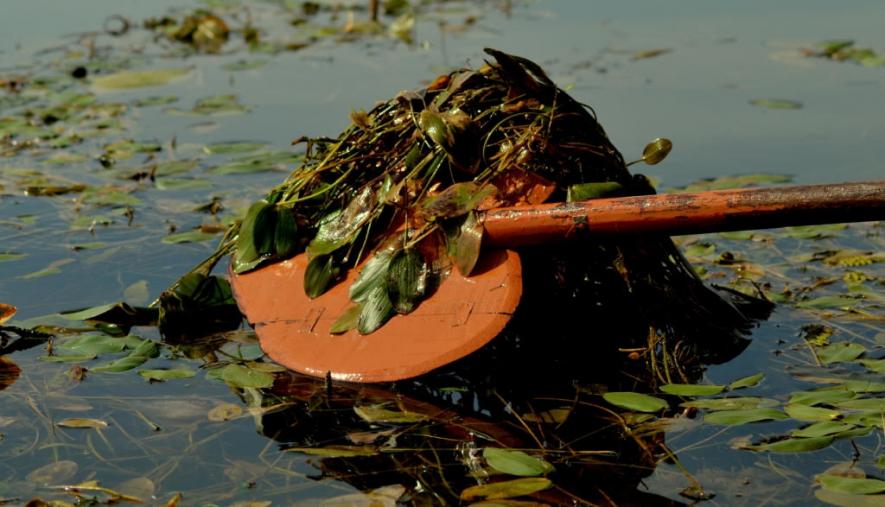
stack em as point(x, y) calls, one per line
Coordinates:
point(460, 317)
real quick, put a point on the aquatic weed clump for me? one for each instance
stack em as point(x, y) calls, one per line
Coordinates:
point(398, 192)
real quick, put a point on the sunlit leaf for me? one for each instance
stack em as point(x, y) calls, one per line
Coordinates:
point(827, 396)
point(238, 375)
point(791, 445)
point(848, 500)
point(873, 404)
point(745, 416)
point(840, 352)
point(192, 236)
point(635, 401)
point(822, 429)
point(76, 422)
point(247, 256)
point(467, 245)
point(93, 345)
point(318, 276)
point(657, 150)
point(592, 190)
point(506, 489)
point(372, 275)
point(750, 381)
point(829, 302)
point(743, 403)
point(376, 310)
point(514, 462)
point(808, 413)
point(347, 320)
point(691, 389)
point(406, 280)
point(123, 364)
point(137, 79)
point(379, 414)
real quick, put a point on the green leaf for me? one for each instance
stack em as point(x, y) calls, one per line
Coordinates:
point(512, 462)
point(829, 303)
point(790, 445)
point(822, 429)
point(743, 403)
point(371, 276)
point(847, 500)
point(11, 256)
point(232, 147)
point(506, 489)
point(635, 401)
point(238, 375)
point(691, 389)
point(263, 230)
point(169, 168)
point(840, 352)
point(247, 256)
point(123, 364)
point(92, 312)
point(776, 103)
point(751, 381)
point(129, 79)
point(406, 280)
point(593, 190)
point(376, 310)
point(379, 414)
point(867, 404)
point(814, 231)
point(807, 413)
point(738, 417)
point(875, 365)
point(468, 244)
point(852, 485)
point(167, 374)
point(825, 396)
point(286, 233)
point(320, 273)
point(193, 236)
point(348, 320)
point(456, 200)
point(93, 345)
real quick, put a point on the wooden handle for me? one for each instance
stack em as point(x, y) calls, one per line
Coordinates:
point(689, 213)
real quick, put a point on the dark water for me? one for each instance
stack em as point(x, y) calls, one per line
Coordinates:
point(698, 94)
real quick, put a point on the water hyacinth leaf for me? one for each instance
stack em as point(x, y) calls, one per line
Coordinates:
point(238, 375)
point(285, 235)
point(750, 381)
point(468, 244)
point(657, 150)
point(808, 413)
point(593, 190)
point(635, 401)
point(329, 236)
point(78, 422)
point(371, 276)
point(380, 414)
point(691, 389)
point(320, 273)
point(792, 445)
point(776, 103)
point(263, 230)
point(822, 429)
point(247, 256)
point(851, 485)
point(348, 320)
point(167, 374)
point(457, 199)
point(513, 462)
point(194, 236)
point(406, 280)
point(129, 79)
point(376, 310)
point(742, 403)
point(506, 489)
point(840, 352)
point(738, 417)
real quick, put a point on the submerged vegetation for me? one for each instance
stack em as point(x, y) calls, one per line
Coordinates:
point(102, 406)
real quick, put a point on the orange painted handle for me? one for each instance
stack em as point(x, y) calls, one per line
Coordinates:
point(695, 213)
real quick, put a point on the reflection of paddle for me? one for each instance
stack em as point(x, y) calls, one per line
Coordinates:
point(466, 313)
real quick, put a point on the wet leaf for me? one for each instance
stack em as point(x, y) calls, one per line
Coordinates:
point(54, 473)
point(348, 320)
point(320, 273)
point(406, 280)
point(840, 352)
point(336, 451)
point(827, 396)
point(657, 150)
point(635, 401)
point(822, 429)
point(379, 414)
point(506, 489)
point(791, 445)
point(238, 375)
point(376, 310)
point(691, 389)
point(247, 256)
point(225, 412)
point(743, 403)
point(138, 79)
point(851, 485)
point(871, 404)
point(467, 246)
point(372, 275)
point(848, 500)
point(457, 200)
point(263, 230)
point(167, 374)
point(514, 462)
point(92, 345)
point(76, 422)
point(192, 236)
point(123, 364)
point(738, 417)
point(776, 103)
point(808, 413)
point(285, 233)
point(750, 381)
